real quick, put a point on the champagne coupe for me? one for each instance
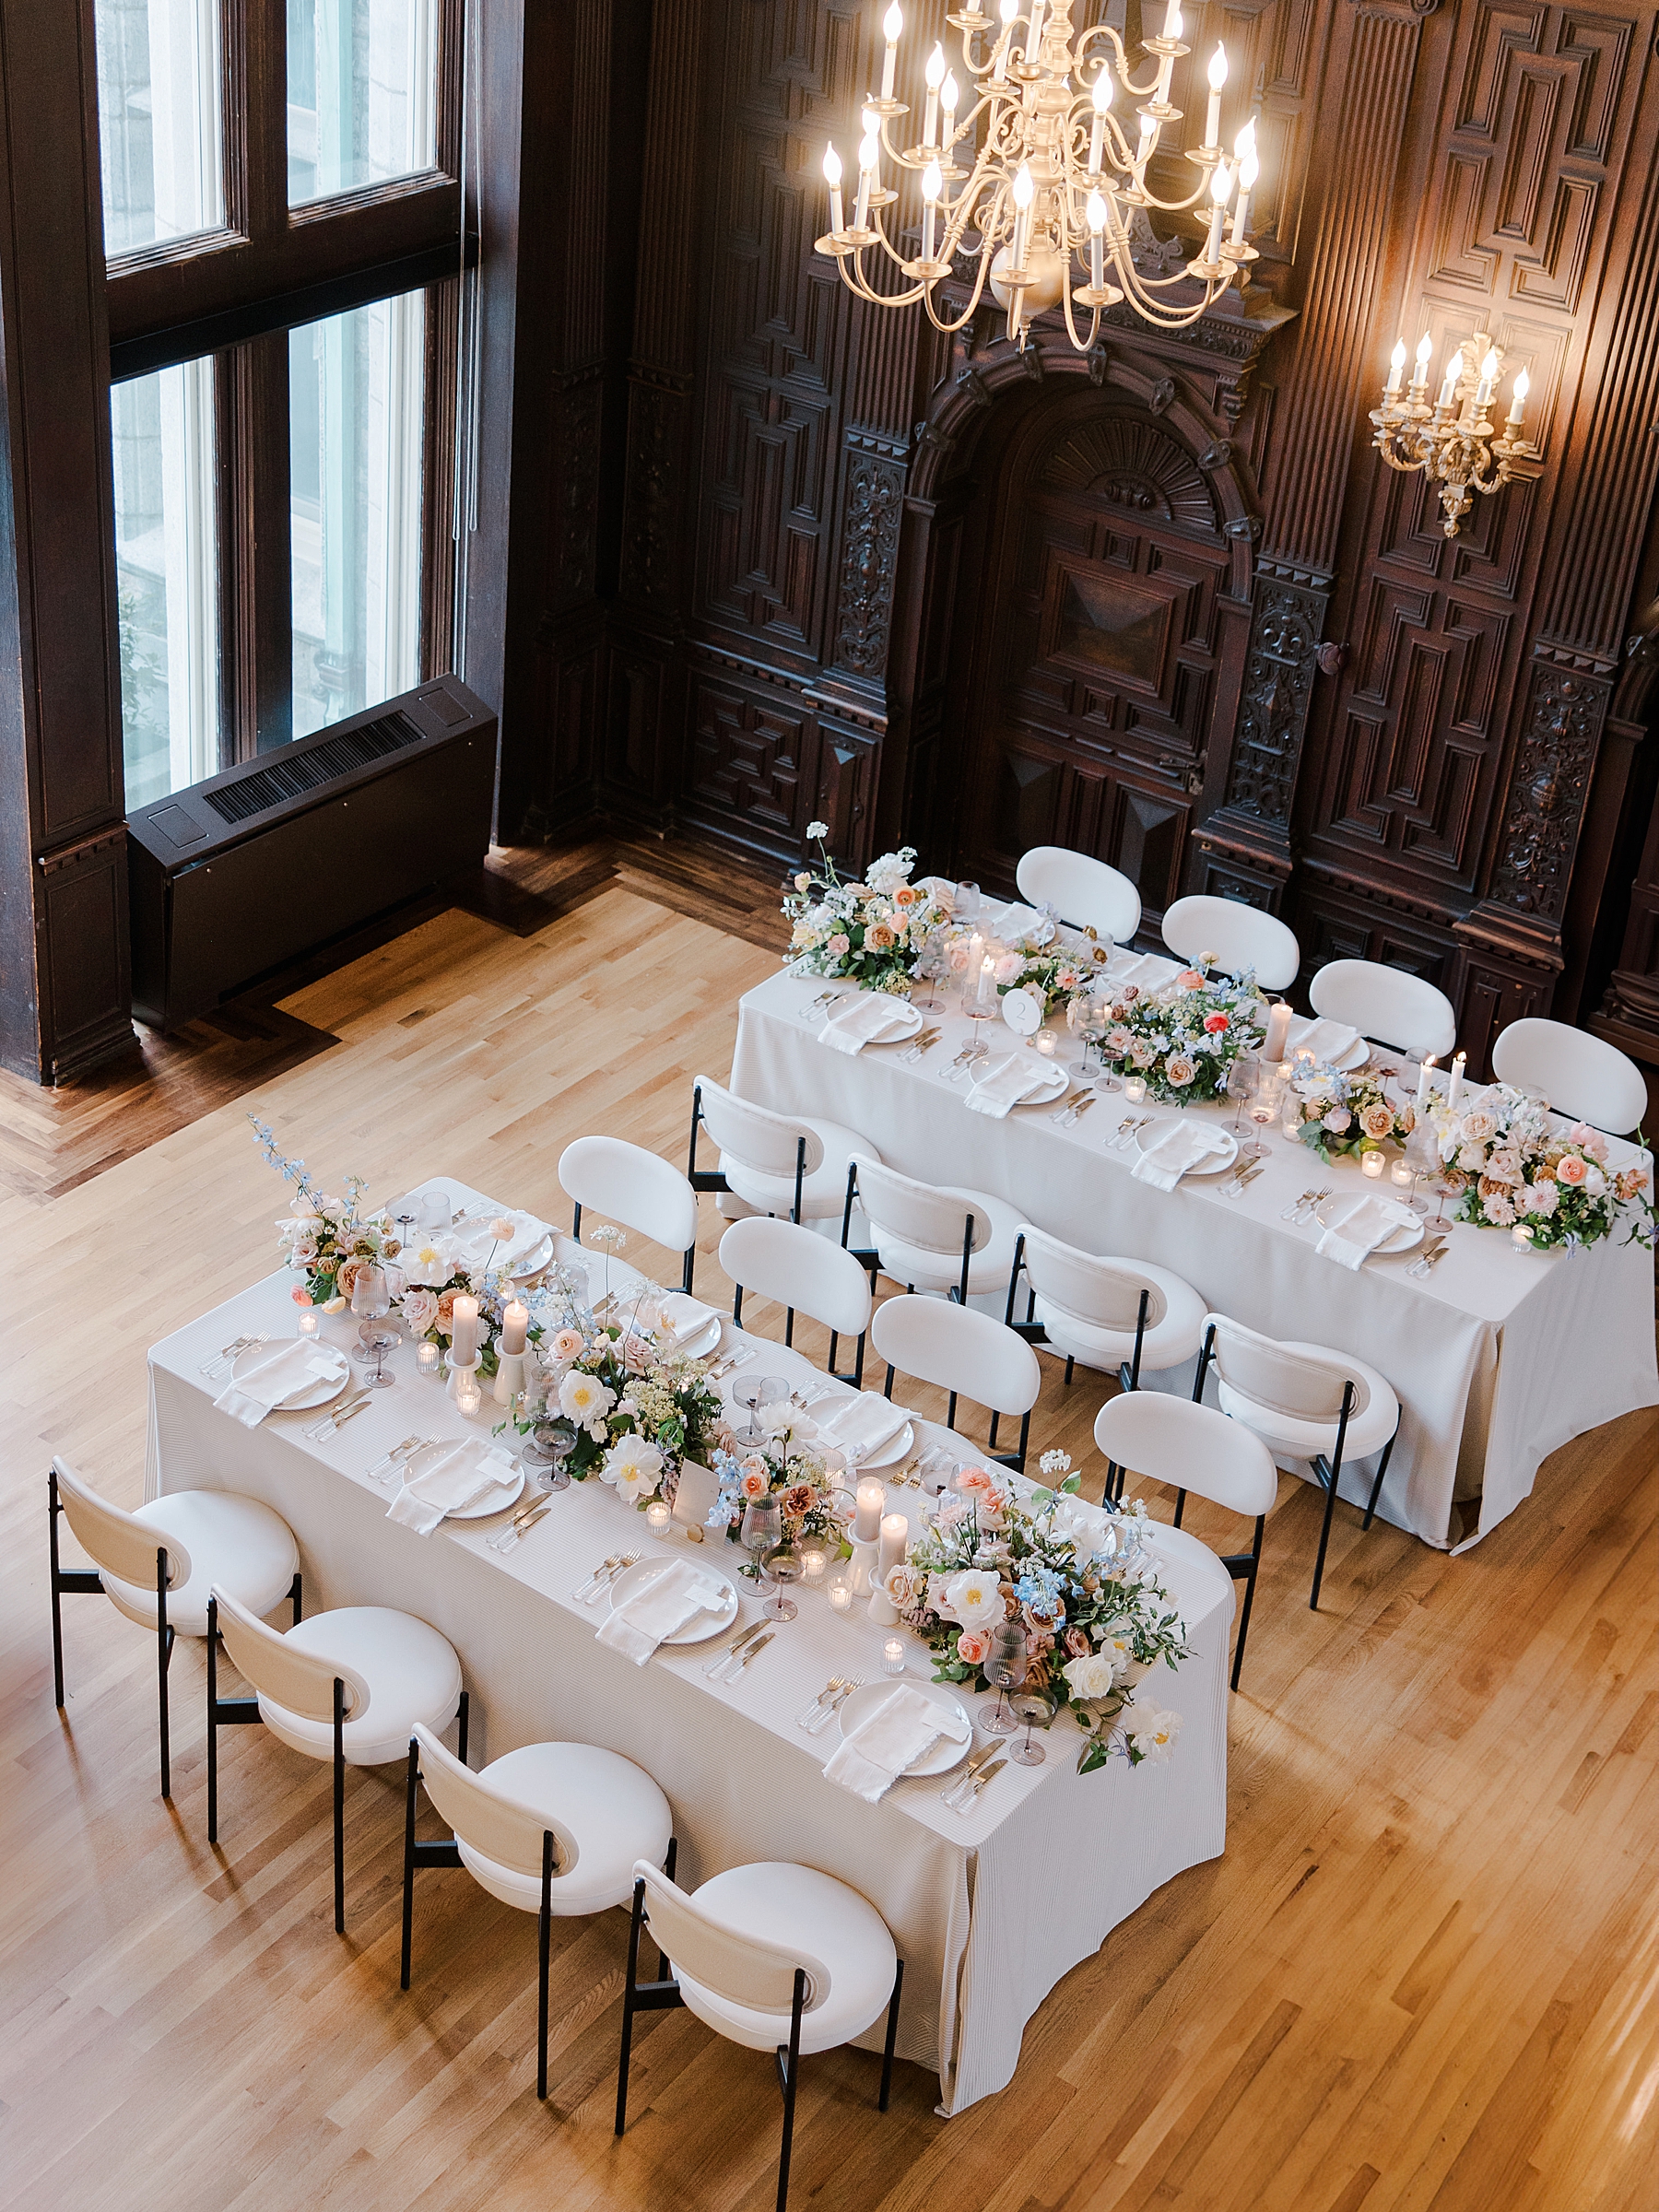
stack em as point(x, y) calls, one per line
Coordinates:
point(1244, 1079)
point(762, 1532)
point(554, 1444)
point(1005, 1666)
point(1030, 1711)
point(371, 1301)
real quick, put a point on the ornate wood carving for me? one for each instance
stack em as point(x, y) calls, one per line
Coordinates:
point(1278, 686)
point(873, 506)
point(1548, 786)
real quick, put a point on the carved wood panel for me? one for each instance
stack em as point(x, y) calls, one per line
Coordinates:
point(747, 757)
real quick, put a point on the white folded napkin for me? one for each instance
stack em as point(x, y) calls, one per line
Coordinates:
point(901, 1729)
point(464, 1473)
point(275, 1377)
point(1021, 1076)
point(1148, 970)
point(871, 1014)
point(473, 1241)
point(1179, 1145)
point(1354, 1235)
point(676, 1596)
point(1327, 1040)
point(1012, 923)
point(862, 1424)
point(684, 1317)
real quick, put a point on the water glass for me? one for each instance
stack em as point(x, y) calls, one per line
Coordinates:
point(1005, 1666)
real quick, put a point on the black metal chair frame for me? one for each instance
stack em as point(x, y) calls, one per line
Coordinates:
point(85, 1581)
point(1327, 1472)
point(233, 1712)
point(869, 1258)
point(1033, 1331)
point(715, 1178)
point(855, 1377)
point(664, 1996)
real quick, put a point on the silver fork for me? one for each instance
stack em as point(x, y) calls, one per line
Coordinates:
point(1304, 1206)
point(828, 1691)
point(1126, 1131)
point(222, 1360)
point(383, 1466)
point(818, 1726)
point(628, 1560)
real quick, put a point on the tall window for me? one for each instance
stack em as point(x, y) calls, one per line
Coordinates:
point(282, 506)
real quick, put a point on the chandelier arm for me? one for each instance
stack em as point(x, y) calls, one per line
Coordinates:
point(859, 284)
point(968, 313)
point(1079, 344)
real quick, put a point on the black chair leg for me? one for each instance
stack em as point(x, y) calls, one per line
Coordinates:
point(1071, 1369)
point(408, 1895)
point(892, 2036)
point(1376, 1488)
point(628, 2004)
point(465, 1717)
point(545, 1937)
point(1331, 1476)
point(296, 1590)
point(339, 1805)
point(164, 1643)
point(789, 2066)
point(1244, 1568)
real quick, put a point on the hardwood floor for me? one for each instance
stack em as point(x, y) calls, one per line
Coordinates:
point(1421, 1977)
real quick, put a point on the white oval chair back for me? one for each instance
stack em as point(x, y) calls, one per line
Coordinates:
point(916, 1212)
point(1105, 1294)
point(487, 1818)
point(1112, 1314)
point(119, 1542)
point(968, 1354)
point(633, 1186)
point(1580, 1074)
point(749, 1971)
point(1386, 1004)
point(1084, 891)
point(1301, 1385)
point(764, 1142)
point(300, 1681)
point(1241, 936)
point(801, 1272)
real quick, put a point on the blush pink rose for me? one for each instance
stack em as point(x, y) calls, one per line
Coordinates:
point(1571, 1169)
point(566, 1344)
point(973, 1646)
point(300, 1295)
point(1190, 979)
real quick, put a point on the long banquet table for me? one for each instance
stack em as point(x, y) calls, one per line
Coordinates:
point(989, 1911)
point(1498, 1358)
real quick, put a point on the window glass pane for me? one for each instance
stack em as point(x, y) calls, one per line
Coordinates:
point(361, 85)
point(356, 396)
point(166, 573)
point(158, 120)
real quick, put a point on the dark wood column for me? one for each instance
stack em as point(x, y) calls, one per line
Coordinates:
point(63, 946)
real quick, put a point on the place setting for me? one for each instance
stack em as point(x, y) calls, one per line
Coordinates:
point(295, 1376)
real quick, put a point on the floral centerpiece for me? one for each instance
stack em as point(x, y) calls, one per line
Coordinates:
point(787, 1468)
point(1185, 1037)
point(1348, 1113)
point(873, 933)
point(1052, 978)
point(1097, 1621)
point(326, 1240)
point(1510, 1163)
point(633, 1410)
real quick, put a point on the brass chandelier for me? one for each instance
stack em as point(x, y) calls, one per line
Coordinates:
point(1054, 174)
point(1451, 441)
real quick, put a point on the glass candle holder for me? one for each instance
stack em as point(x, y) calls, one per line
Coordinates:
point(1134, 1089)
point(1047, 1043)
point(469, 1398)
point(841, 1597)
point(815, 1560)
point(429, 1360)
point(1401, 1175)
point(1373, 1164)
point(309, 1322)
point(892, 1655)
point(659, 1517)
point(1520, 1236)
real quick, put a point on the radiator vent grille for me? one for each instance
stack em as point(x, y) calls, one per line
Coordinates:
point(286, 779)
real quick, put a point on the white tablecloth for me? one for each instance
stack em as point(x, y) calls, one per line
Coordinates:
point(988, 1911)
point(1498, 1358)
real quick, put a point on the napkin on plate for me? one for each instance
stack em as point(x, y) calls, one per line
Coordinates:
point(1181, 1146)
point(1327, 1040)
point(677, 1596)
point(902, 1728)
point(1147, 970)
point(464, 1474)
point(1355, 1235)
point(870, 1016)
point(1021, 1076)
point(862, 1424)
point(682, 1316)
point(1012, 923)
point(473, 1240)
point(277, 1376)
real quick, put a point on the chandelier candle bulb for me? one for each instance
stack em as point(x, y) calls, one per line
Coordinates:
point(893, 23)
point(1100, 95)
point(1419, 375)
point(869, 154)
point(1249, 170)
point(934, 74)
point(1220, 188)
point(999, 73)
point(1172, 25)
point(949, 93)
point(867, 1520)
point(1217, 77)
point(1096, 246)
point(1396, 367)
point(832, 177)
point(1488, 377)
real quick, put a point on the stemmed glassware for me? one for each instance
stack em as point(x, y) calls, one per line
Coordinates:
point(754, 1391)
point(371, 1301)
point(1005, 1665)
point(932, 966)
point(551, 1444)
point(1422, 1157)
point(762, 1533)
point(1026, 1753)
point(1244, 1079)
point(966, 905)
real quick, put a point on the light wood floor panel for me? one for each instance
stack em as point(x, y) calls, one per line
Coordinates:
point(1421, 1980)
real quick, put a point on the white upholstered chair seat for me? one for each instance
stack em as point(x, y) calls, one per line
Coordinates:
point(823, 1190)
point(412, 1673)
point(1168, 1342)
point(1291, 1436)
point(234, 1541)
point(800, 1909)
point(609, 1808)
point(942, 1270)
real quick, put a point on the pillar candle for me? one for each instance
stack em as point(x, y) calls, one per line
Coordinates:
point(515, 1320)
point(1279, 1030)
point(866, 1521)
point(1424, 1073)
point(463, 1341)
point(895, 1535)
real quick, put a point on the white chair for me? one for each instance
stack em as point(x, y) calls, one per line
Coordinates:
point(1191, 1448)
point(801, 1272)
point(1308, 1405)
point(1085, 892)
point(1241, 936)
point(1580, 1074)
point(550, 1828)
point(1115, 1315)
point(777, 1163)
point(347, 1686)
point(633, 1186)
point(773, 1957)
point(1387, 1005)
point(970, 1355)
point(931, 1236)
point(158, 1566)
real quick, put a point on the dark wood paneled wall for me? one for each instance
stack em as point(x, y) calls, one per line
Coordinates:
point(1403, 760)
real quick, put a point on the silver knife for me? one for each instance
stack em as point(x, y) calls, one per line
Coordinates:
point(743, 1636)
point(754, 1651)
point(985, 1776)
point(514, 1535)
point(959, 1782)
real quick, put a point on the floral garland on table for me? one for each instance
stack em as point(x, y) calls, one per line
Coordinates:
point(873, 933)
point(1054, 978)
point(328, 1241)
point(1509, 1165)
point(1348, 1113)
point(1097, 1621)
point(633, 1410)
point(786, 1468)
point(1185, 1037)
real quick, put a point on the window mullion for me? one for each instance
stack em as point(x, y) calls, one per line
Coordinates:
point(263, 114)
point(255, 624)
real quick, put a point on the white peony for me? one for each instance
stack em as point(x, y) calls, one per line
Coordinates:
point(583, 1398)
point(1090, 1677)
point(635, 1466)
point(892, 869)
point(1154, 1734)
point(974, 1597)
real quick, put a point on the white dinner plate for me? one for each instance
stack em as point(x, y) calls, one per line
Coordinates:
point(534, 1261)
point(705, 1343)
point(496, 1499)
point(701, 1626)
point(944, 1753)
point(1406, 1238)
point(1213, 1163)
point(321, 1393)
point(903, 1022)
point(888, 1454)
point(1056, 1082)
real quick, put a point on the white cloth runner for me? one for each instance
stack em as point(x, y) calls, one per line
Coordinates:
point(870, 1016)
point(676, 1596)
point(1355, 1235)
point(1021, 1076)
point(1181, 1146)
point(903, 1728)
point(473, 1240)
point(464, 1473)
point(1327, 1040)
point(862, 1424)
point(277, 1376)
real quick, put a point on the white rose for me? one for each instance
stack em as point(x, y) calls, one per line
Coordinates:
point(974, 1598)
point(583, 1398)
point(1090, 1677)
point(1595, 1183)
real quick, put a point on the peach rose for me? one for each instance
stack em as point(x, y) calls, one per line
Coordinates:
point(1572, 1171)
point(879, 938)
point(346, 1279)
point(300, 1295)
point(973, 1646)
point(1190, 979)
point(1216, 1023)
point(1377, 1120)
point(566, 1344)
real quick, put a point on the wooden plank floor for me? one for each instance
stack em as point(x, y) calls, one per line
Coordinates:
point(1423, 1976)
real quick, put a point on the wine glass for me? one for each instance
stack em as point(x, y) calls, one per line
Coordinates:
point(1097, 1020)
point(762, 1532)
point(931, 965)
point(553, 1445)
point(754, 1391)
point(1244, 1079)
point(966, 905)
point(1422, 1157)
point(1030, 1711)
point(1005, 1666)
point(784, 1566)
point(370, 1302)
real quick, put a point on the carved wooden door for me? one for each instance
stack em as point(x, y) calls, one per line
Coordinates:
point(1094, 659)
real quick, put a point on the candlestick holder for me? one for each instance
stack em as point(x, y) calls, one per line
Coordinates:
point(509, 1377)
point(459, 1368)
point(861, 1568)
point(881, 1609)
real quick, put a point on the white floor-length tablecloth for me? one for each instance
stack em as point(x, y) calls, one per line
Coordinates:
point(1498, 1358)
point(988, 1911)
